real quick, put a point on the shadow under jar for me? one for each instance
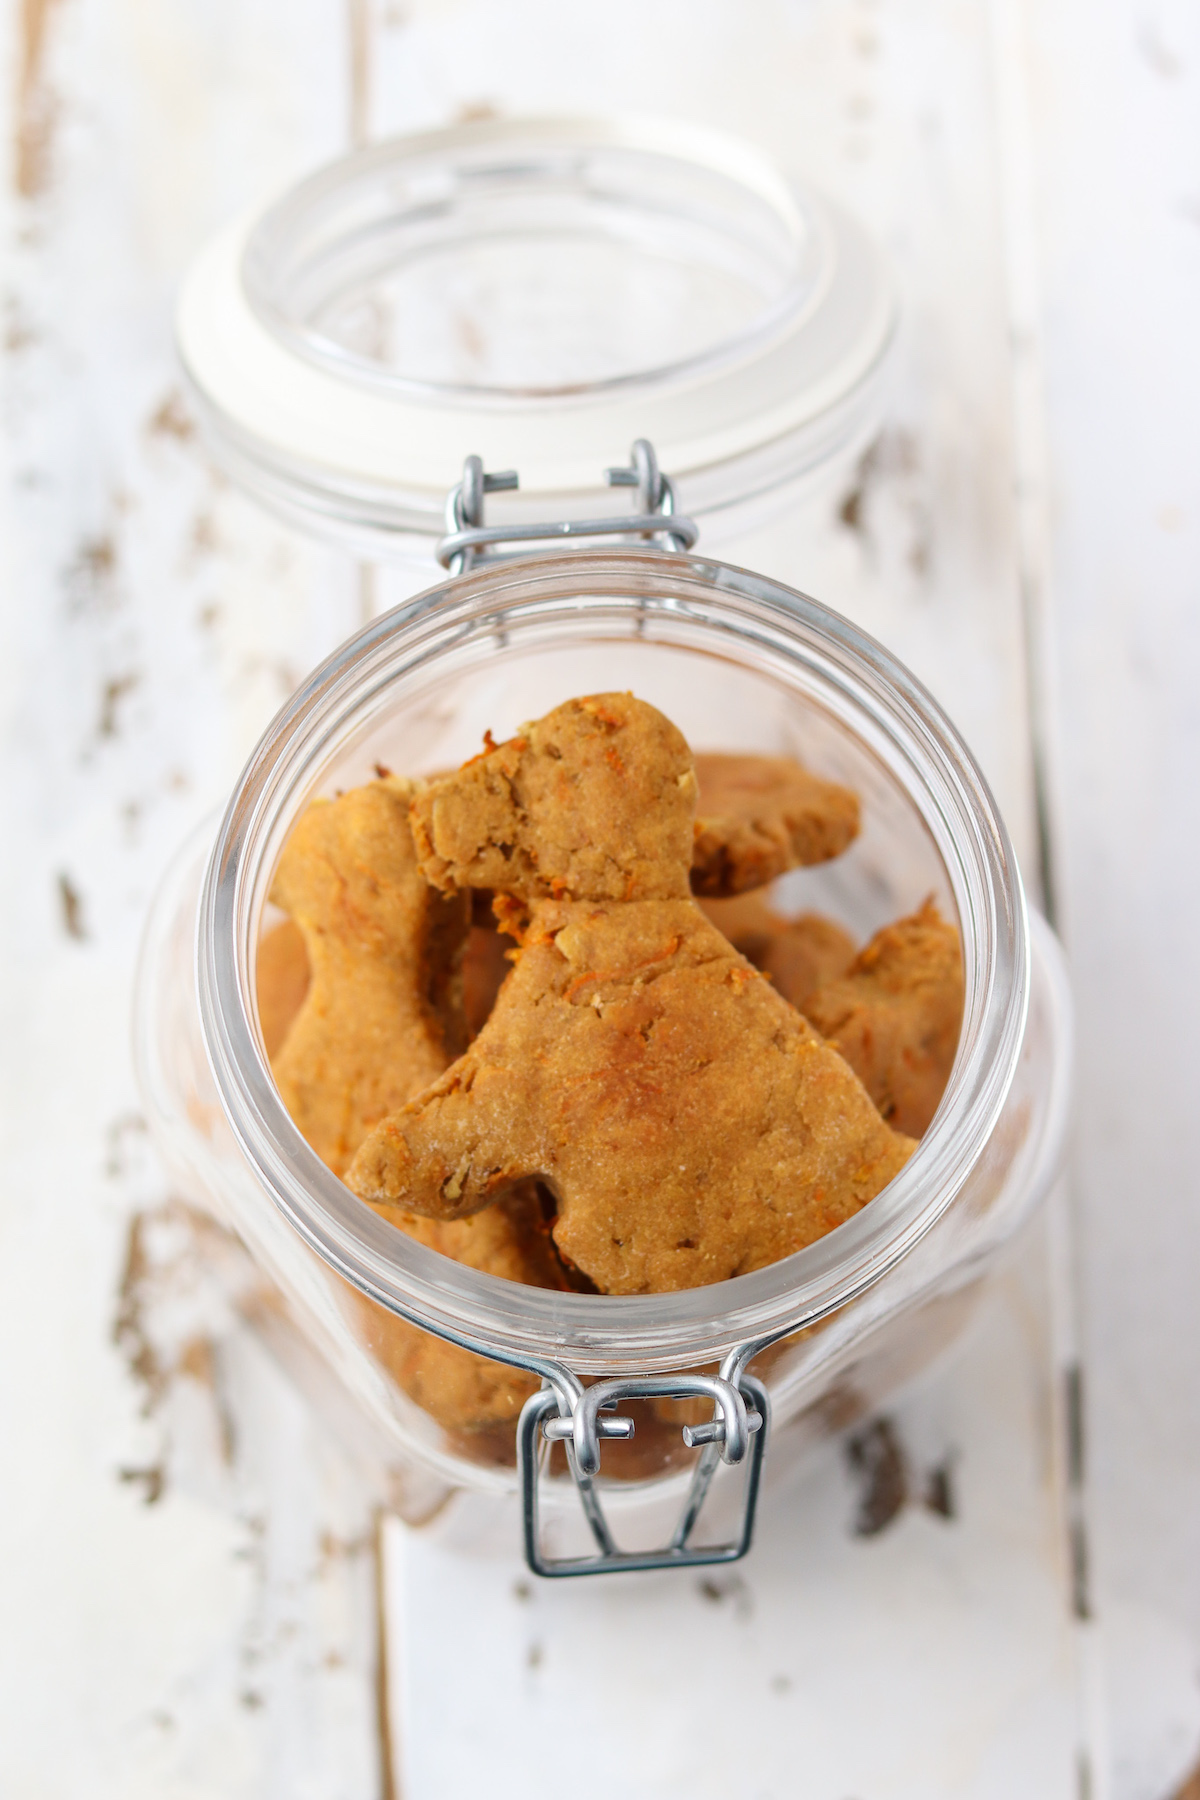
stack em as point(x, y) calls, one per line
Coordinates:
point(739, 663)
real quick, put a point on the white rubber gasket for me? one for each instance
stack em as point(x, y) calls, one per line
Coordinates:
point(293, 411)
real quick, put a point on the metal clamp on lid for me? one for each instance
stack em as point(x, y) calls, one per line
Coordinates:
point(579, 1418)
point(470, 542)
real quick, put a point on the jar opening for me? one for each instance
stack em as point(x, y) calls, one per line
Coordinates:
point(490, 267)
point(539, 293)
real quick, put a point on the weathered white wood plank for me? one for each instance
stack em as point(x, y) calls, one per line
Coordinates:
point(1116, 117)
point(188, 1591)
point(929, 1661)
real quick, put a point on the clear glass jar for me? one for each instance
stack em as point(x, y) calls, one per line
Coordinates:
point(739, 663)
point(539, 293)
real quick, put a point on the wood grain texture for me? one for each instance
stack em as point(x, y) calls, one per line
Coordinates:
point(188, 1595)
point(893, 110)
point(1116, 114)
point(927, 1660)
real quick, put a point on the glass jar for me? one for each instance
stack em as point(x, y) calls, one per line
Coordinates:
point(538, 293)
point(739, 663)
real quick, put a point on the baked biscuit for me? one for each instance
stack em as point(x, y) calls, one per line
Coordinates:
point(798, 955)
point(282, 974)
point(895, 1015)
point(383, 1012)
point(486, 962)
point(595, 801)
point(462, 1391)
point(689, 1123)
point(761, 815)
point(381, 1015)
point(281, 981)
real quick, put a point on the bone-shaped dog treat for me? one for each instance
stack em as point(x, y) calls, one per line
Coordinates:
point(383, 1014)
point(895, 1015)
point(281, 974)
point(761, 815)
point(689, 1122)
point(381, 1018)
point(799, 955)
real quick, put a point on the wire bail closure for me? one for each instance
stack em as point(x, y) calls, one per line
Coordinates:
point(564, 1411)
point(470, 543)
point(579, 1418)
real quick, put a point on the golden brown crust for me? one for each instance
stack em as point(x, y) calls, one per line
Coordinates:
point(383, 1011)
point(689, 1123)
point(595, 801)
point(896, 1015)
point(798, 955)
point(759, 816)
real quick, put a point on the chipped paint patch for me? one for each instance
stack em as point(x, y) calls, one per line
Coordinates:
point(881, 1467)
point(876, 1458)
point(171, 419)
point(37, 105)
point(111, 696)
point(170, 1313)
point(71, 904)
point(886, 507)
point(90, 577)
point(152, 1480)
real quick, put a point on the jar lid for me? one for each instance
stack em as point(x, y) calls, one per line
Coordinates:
point(539, 293)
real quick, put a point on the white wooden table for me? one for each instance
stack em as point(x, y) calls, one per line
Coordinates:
point(194, 1576)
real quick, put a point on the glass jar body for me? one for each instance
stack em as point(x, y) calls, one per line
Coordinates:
point(740, 664)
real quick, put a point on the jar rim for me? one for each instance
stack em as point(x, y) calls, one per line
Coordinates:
point(279, 252)
point(349, 446)
point(890, 711)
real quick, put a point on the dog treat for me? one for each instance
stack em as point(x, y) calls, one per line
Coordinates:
point(798, 955)
point(689, 1122)
point(759, 816)
point(383, 1011)
point(593, 802)
point(486, 962)
point(895, 1015)
point(281, 978)
point(462, 1391)
point(381, 1017)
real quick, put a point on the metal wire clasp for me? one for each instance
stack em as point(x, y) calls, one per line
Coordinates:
point(580, 1419)
point(470, 541)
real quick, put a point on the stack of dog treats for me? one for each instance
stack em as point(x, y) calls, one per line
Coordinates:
point(540, 1015)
